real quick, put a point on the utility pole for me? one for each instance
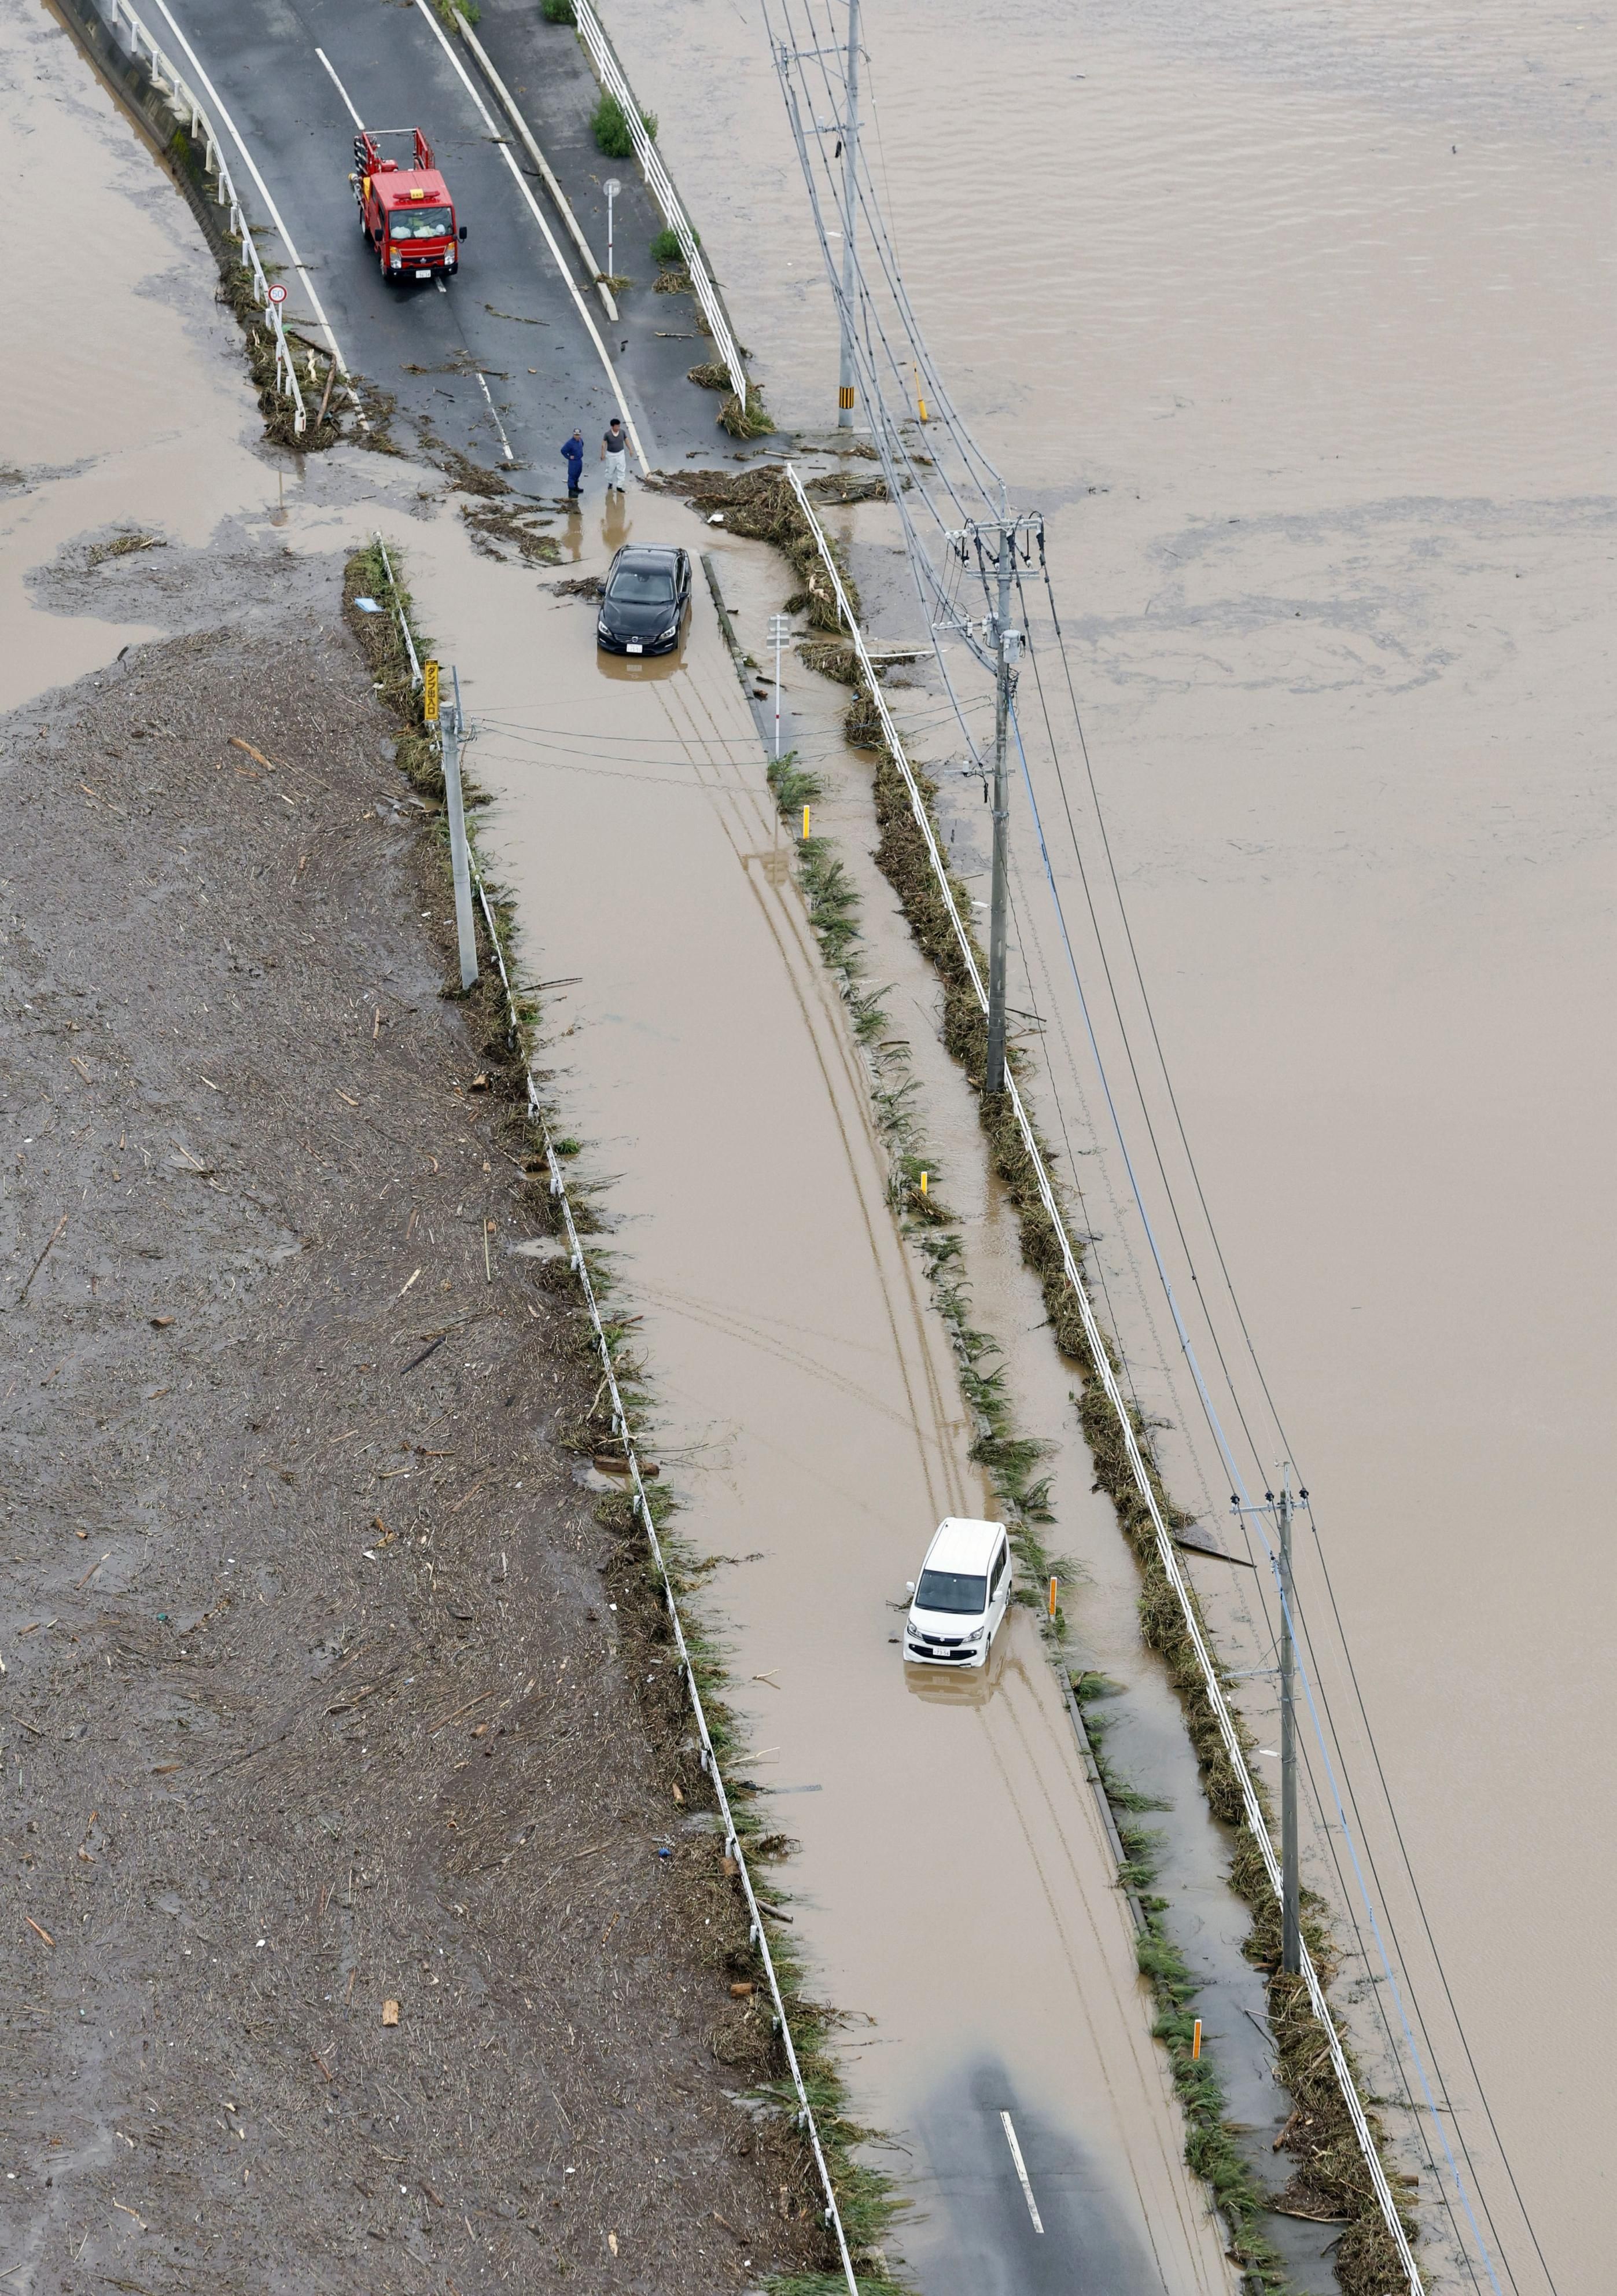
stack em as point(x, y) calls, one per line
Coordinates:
point(996, 643)
point(460, 862)
point(851, 156)
point(779, 630)
point(1291, 1922)
point(1008, 645)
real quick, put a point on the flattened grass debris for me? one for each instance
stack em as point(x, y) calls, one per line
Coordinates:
point(124, 546)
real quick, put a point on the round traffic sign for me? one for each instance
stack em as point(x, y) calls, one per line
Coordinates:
point(278, 293)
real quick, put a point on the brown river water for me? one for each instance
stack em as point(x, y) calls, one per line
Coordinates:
point(1298, 325)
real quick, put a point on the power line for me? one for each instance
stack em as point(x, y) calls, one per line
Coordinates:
point(911, 482)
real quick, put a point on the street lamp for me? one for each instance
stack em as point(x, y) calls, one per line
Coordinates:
point(611, 187)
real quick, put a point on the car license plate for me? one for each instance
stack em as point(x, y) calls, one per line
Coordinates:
point(634, 646)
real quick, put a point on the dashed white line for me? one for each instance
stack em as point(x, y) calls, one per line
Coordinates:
point(342, 91)
point(537, 214)
point(359, 124)
point(251, 166)
point(498, 425)
point(1021, 2171)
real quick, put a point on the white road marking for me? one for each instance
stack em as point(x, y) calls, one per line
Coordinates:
point(498, 425)
point(251, 166)
point(439, 284)
point(537, 214)
point(342, 91)
point(1021, 2171)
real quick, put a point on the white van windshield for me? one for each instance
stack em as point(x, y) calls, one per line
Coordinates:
point(952, 1590)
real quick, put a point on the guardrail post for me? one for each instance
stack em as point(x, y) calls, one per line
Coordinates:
point(459, 858)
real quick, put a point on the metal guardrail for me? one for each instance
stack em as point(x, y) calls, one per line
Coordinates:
point(399, 615)
point(1100, 1357)
point(709, 1760)
point(609, 71)
point(170, 85)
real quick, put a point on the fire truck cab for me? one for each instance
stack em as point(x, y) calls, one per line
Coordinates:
point(406, 213)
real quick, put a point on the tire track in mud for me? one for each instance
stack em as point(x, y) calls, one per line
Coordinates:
point(786, 917)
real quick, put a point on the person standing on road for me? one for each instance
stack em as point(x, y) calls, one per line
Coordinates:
point(615, 448)
point(572, 455)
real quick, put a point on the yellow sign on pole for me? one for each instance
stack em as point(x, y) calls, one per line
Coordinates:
point(429, 691)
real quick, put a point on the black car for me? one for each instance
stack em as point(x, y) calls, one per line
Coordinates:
point(644, 606)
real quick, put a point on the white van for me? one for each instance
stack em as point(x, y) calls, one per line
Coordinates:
point(961, 1596)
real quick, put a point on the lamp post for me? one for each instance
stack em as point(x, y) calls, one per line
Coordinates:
point(611, 187)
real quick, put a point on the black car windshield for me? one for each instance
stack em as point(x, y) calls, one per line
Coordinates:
point(642, 585)
point(951, 1590)
point(421, 222)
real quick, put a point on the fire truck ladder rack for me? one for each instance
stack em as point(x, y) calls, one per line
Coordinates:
point(370, 160)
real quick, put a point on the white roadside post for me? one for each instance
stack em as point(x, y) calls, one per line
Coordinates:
point(611, 187)
point(779, 631)
point(459, 860)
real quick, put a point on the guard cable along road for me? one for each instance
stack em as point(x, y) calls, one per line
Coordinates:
point(1100, 1356)
point(710, 1760)
point(247, 162)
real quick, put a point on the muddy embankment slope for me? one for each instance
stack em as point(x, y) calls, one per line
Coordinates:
point(315, 1700)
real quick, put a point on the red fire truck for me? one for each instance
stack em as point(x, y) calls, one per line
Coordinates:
point(406, 213)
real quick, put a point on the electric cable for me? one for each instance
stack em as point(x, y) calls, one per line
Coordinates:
point(1230, 1462)
point(1363, 1830)
point(893, 450)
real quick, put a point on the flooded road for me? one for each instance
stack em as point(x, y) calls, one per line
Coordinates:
point(812, 1411)
point(1313, 328)
point(955, 1887)
point(1312, 339)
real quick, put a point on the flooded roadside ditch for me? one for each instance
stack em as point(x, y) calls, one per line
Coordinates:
point(1161, 664)
point(1307, 340)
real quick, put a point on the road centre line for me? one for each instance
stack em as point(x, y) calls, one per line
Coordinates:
point(537, 212)
point(1021, 2171)
point(359, 124)
point(498, 425)
point(342, 91)
point(251, 166)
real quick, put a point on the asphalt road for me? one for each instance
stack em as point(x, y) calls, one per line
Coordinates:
point(1013, 2187)
point(500, 354)
point(1058, 2168)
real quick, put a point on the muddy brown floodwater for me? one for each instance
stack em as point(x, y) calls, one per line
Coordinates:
point(955, 1887)
point(1313, 335)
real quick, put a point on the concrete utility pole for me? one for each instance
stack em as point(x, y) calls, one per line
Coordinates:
point(1008, 644)
point(850, 155)
point(780, 629)
point(1291, 1920)
point(460, 860)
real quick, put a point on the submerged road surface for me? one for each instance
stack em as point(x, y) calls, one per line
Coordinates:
point(957, 1898)
point(956, 1895)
